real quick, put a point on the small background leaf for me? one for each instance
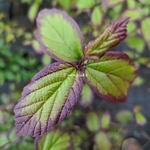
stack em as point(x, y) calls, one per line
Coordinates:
point(92, 121)
point(131, 4)
point(131, 28)
point(136, 43)
point(145, 30)
point(33, 11)
point(86, 96)
point(102, 141)
point(134, 14)
point(54, 140)
point(140, 118)
point(66, 4)
point(46, 59)
point(124, 116)
point(116, 138)
point(82, 4)
point(4, 139)
point(105, 120)
point(97, 16)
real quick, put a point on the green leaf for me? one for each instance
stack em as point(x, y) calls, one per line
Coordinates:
point(132, 27)
point(92, 121)
point(136, 43)
point(9, 75)
point(55, 140)
point(145, 23)
point(25, 145)
point(134, 14)
point(115, 12)
point(76, 140)
point(12, 135)
point(36, 46)
point(124, 116)
point(112, 35)
point(47, 99)
point(139, 80)
point(59, 35)
point(97, 16)
point(82, 4)
point(66, 4)
point(4, 139)
point(131, 4)
point(105, 120)
point(102, 141)
point(140, 118)
point(116, 138)
point(33, 11)
point(46, 59)
point(146, 10)
point(9, 37)
point(86, 96)
point(111, 76)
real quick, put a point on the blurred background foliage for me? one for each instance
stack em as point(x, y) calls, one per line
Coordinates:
point(94, 124)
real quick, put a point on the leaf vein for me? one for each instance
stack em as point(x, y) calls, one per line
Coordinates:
point(63, 39)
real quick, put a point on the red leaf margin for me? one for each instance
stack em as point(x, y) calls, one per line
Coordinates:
point(114, 33)
point(67, 18)
point(110, 98)
point(25, 126)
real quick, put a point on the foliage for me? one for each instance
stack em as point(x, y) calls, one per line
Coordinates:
point(17, 68)
point(53, 92)
point(93, 17)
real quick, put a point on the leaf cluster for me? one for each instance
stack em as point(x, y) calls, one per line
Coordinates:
point(53, 92)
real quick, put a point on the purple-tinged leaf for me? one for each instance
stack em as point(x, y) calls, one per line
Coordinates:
point(55, 140)
point(111, 76)
point(112, 35)
point(59, 35)
point(47, 99)
point(111, 3)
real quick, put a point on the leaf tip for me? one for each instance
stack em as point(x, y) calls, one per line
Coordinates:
point(119, 28)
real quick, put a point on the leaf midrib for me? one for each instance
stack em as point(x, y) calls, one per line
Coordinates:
point(63, 40)
point(108, 73)
point(39, 108)
point(110, 81)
